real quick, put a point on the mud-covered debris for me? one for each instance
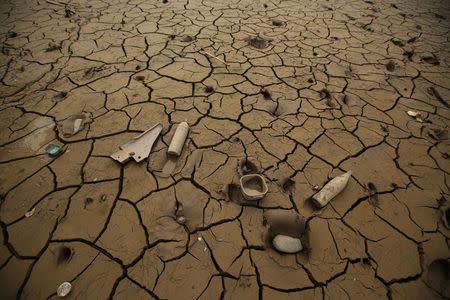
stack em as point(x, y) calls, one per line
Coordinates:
point(384, 128)
point(138, 67)
point(325, 94)
point(246, 166)
point(64, 255)
point(390, 66)
point(433, 92)
point(413, 114)
point(445, 210)
point(88, 201)
point(329, 103)
point(438, 16)
point(232, 192)
point(431, 60)
point(373, 194)
point(30, 213)
point(91, 71)
point(266, 94)
point(187, 38)
point(68, 13)
point(310, 80)
point(277, 22)
point(398, 43)
point(408, 54)
point(253, 187)
point(139, 78)
point(138, 147)
point(52, 47)
point(257, 42)
point(208, 89)
point(331, 190)
point(74, 124)
point(12, 34)
point(64, 289)
point(61, 95)
point(181, 220)
point(412, 40)
point(172, 36)
point(438, 134)
point(165, 1)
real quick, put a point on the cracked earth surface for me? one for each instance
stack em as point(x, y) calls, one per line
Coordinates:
point(325, 89)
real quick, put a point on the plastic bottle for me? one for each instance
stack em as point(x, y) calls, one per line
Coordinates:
point(331, 189)
point(177, 143)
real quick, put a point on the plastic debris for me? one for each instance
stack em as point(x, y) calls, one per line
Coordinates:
point(64, 289)
point(74, 124)
point(138, 147)
point(331, 189)
point(253, 187)
point(30, 213)
point(413, 113)
point(54, 150)
point(177, 143)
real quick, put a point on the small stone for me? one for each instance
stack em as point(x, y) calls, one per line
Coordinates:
point(64, 289)
point(181, 220)
point(287, 244)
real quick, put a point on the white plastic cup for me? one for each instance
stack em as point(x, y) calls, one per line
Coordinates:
point(177, 143)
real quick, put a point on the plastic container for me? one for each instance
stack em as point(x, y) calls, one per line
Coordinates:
point(177, 143)
point(331, 189)
point(253, 187)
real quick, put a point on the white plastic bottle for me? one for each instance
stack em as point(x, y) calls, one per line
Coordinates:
point(177, 143)
point(331, 189)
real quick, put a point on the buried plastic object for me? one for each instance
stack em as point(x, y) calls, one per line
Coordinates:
point(331, 189)
point(75, 123)
point(177, 143)
point(138, 147)
point(253, 187)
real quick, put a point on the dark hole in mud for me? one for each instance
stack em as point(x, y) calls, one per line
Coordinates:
point(64, 254)
point(187, 38)
point(61, 95)
point(22, 69)
point(325, 94)
point(139, 78)
point(277, 23)
point(172, 36)
point(390, 66)
point(208, 89)
point(258, 42)
point(431, 60)
point(445, 155)
point(329, 103)
point(412, 40)
point(310, 80)
point(394, 185)
point(233, 192)
point(315, 53)
point(439, 16)
point(13, 34)
point(236, 139)
point(52, 47)
point(165, 1)
point(369, 2)
point(409, 54)
point(438, 275)
point(345, 99)
point(287, 184)
point(265, 5)
point(394, 6)
point(384, 128)
point(68, 13)
point(418, 27)
point(138, 67)
point(397, 43)
point(88, 201)
point(123, 22)
point(266, 94)
point(366, 261)
point(247, 167)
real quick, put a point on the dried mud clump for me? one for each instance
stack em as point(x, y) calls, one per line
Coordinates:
point(187, 38)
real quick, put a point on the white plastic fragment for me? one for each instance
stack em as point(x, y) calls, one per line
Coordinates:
point(177, 143)
point(412, 113)
point(64, 289)
point(30, 213)
point(287, 244)
point(138, 147)
point(331, 189)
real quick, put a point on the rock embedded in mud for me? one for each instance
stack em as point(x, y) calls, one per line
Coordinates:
point(287, 244)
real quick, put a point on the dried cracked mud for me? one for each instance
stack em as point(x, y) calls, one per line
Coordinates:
point(305, 90)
